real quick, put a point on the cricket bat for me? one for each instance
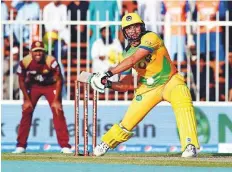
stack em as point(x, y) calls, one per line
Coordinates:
point(84, 77)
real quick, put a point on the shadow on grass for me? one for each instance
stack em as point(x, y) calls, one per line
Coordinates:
point(222, 154)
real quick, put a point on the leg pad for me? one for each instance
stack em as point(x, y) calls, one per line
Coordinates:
point(116, 135)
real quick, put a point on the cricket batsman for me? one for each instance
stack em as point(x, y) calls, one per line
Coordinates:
point(158, 81)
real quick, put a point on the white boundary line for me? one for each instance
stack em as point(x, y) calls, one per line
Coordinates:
point(118, 103)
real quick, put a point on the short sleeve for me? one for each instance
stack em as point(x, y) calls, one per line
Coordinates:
point(54, 64)
point(150, 41)
point(21, 71)
point(126, 72)
point(51, 62)
point(55, 67)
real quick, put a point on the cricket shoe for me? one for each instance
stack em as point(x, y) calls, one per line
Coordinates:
point(101, 149)
point(189, 152)
point(66, 150)
point(19, 150)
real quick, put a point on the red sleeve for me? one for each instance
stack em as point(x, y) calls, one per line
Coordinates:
point(55, 67)
point(21, 71)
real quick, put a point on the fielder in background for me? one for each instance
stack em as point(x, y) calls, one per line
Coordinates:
point(158, 81)
point(39, 75)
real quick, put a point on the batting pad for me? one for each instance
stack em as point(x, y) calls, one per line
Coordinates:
point(115, 136)
point(185, 117)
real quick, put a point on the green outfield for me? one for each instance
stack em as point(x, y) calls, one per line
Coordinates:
point(203, 160)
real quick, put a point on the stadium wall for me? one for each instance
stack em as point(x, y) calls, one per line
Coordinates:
point(156, 133)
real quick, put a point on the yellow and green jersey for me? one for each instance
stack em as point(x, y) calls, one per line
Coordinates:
point(155, 69)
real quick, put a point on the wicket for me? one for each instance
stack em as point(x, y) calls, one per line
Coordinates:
point(85, 113)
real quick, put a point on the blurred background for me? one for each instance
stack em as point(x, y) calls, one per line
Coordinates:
point(86, 36)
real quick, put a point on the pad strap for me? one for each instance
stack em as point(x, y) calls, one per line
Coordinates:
point(116, 135)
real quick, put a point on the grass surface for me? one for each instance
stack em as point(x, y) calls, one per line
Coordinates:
point(203, 160)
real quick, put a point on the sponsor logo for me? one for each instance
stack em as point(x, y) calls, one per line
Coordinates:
point(130, 148)
point(148, 148)
point(209, 148)
point(155, 148)
point(174, 149)
point(47, 147)
point(122, 148)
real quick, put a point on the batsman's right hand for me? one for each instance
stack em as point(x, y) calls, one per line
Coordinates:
point(95, 82)
point(27, 105)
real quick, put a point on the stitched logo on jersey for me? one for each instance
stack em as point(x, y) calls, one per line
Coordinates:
point(33, 72)
point(161, 77)
point(149, 43)
point(139, 97)
point(148, 58)
point(142, 64)
point(45, 71)
point(39, 78)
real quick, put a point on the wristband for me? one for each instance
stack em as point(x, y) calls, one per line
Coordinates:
point(109, 73)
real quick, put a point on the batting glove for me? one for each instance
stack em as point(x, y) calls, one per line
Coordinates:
point(99, 81)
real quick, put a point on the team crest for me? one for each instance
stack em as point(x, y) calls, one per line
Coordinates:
point(139, 97)
point(128, 18)
point(188, 140)
point(37, 44)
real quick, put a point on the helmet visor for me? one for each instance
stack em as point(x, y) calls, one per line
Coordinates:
point(133, 32)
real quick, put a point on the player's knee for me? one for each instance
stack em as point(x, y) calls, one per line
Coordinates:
point(180, 96)
point(28, 111)
point(58, 112)
point(116, 135)
point(125, 124)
